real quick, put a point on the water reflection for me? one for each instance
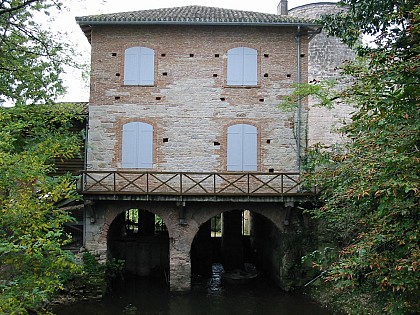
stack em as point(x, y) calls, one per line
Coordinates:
point(214, 284)
point(148, 296)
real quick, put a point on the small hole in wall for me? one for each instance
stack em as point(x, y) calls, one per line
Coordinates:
point(268, 140)
point(288, 75)
point(266, 55)
point(265, 75)
point(117, 97)
point(216, 143)
point(164, 74)
point(223, 99)
point(216, 55)
point(117, 74)
point(215, 75)
point(191, 55)
point(302, 55)
point(114, 54)
point(165, 139)
point(271, 170)
point(163, 55)
point(158, 98)
point(261, 100)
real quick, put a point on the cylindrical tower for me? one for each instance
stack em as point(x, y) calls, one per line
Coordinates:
point(326, 55)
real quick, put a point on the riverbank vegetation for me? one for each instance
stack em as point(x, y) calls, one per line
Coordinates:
point(33, 265)
point(370, 201)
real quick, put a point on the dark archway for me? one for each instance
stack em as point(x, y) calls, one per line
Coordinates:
point(225, 239)
point(140, 238)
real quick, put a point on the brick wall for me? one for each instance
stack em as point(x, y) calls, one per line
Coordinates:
point(190, 104)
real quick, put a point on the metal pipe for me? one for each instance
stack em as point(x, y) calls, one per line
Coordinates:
point(299, 102)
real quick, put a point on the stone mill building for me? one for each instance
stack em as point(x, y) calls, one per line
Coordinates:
point(189, 159)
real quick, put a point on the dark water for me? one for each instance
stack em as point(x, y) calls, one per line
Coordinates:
point(151, 296)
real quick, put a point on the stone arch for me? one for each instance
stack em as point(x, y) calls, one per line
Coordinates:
point(206, 249)
point(134, 237)
point(276, 213)
point(110, 211)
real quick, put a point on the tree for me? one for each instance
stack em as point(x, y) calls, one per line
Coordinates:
point(33, 265)
point(31, 57)
point(371, 184)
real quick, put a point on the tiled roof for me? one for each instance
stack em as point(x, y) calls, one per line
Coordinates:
point(193, 15)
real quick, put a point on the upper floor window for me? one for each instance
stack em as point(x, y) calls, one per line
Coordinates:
point(139, 66)
point(137, 145)
point(242, 148)
point(242, 66)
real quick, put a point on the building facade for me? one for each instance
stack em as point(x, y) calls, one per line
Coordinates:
point(184, 120)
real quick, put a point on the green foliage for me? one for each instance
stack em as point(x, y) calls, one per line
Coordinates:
point(99, 276)
point(31, 57)
point(32, 264)
point(322, 91)
point(371, 184)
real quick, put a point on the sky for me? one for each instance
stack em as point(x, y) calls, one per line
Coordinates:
point(64, 21)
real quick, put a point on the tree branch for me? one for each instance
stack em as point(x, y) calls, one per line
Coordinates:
point(18, 7)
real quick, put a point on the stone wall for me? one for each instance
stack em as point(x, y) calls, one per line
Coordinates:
point(326, 55)
point(102, 214)
point(190, 104)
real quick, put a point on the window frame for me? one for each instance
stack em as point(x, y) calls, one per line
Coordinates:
point(240, 57)
point(143, 136)
point(234, 145)
point(141, 57)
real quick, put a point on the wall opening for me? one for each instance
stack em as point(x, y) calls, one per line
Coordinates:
point(224, 239)
point(140, 238)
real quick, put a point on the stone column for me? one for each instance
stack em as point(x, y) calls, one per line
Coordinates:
point(179, 267)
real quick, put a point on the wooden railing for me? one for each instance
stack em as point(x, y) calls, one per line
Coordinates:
point(190, 183)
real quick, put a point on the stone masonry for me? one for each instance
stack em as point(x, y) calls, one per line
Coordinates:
point(190, 108)
point(326, 55)
point(190, 104)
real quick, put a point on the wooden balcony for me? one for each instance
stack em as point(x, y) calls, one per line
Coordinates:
point(178, 185)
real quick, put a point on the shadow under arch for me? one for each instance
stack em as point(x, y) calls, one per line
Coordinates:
point(140, 238)
point(233, 237)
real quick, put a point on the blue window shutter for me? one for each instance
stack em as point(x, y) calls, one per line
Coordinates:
point(129, 145)
point(234, 148)
point(242, 66)
point(249, 152)
point(145, 155)
point(242, 148)
point(250, 66)
point(139, 66)
point(235, 66)
point(137, 145)
point(132, 66)
point(147, 66)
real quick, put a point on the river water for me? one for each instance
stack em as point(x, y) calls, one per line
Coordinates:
point(149, 296)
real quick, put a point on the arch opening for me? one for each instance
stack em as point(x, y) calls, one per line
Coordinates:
point(224, 239)
point(140, 238)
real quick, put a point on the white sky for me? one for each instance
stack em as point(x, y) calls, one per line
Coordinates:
point(77, 88)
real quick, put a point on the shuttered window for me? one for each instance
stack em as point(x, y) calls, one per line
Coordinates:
point(139, 66)
point(242, 66)
point(137, 145)
point(242, 148)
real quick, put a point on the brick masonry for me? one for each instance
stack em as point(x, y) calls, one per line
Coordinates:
point(190, 105)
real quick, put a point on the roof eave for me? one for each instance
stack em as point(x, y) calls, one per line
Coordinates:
point(91, 23)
